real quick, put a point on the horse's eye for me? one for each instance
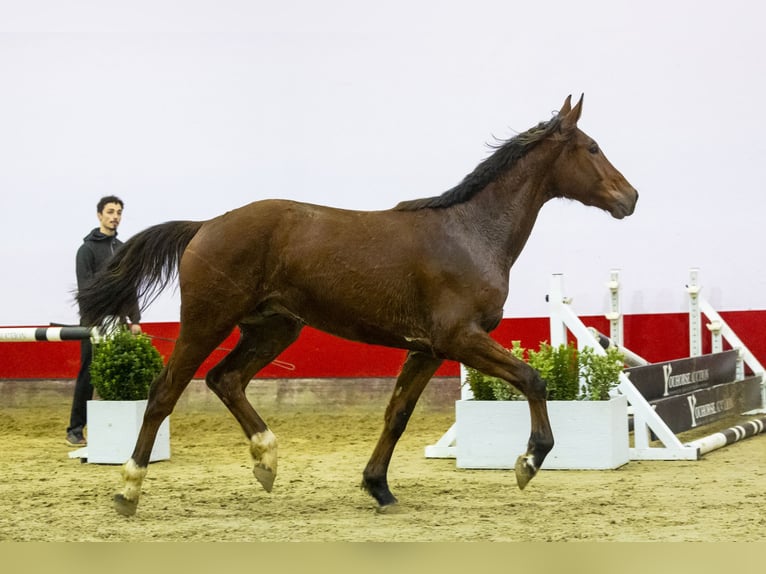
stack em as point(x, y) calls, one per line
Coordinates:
point(593, 148)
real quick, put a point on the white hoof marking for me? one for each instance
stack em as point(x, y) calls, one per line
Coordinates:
point(133, 476)
point(263, 448)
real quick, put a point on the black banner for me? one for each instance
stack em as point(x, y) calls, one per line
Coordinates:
point(681, 376)
point(703, 406)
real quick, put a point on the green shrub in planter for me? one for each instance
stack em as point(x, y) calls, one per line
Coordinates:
point(561, 368)
point(601, 373)
point(124, 366)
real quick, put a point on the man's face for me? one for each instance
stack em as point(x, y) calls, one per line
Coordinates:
point(110, 218)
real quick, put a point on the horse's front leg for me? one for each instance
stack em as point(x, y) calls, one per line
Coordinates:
point(481, 352)
point(541, 436)
point(416, 372)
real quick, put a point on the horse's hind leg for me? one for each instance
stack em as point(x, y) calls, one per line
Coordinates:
point(261, 341)
point(167, 387)
point(415, 374)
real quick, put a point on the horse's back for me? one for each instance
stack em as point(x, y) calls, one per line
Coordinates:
point(260, 238)
point(282, 225)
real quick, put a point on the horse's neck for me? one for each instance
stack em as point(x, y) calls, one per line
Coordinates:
point(504, 213)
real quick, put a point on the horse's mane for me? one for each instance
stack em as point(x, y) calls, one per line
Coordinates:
point(506, 154)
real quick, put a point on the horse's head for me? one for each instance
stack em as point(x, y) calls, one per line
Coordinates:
point(583, 173)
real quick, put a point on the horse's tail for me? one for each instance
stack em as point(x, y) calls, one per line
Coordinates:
point(138, 271)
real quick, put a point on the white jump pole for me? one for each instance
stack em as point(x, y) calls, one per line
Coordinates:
point(32, 334)
point(58, 332)
point(729, 435)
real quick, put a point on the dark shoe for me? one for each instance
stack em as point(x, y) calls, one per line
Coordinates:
point(75, 439)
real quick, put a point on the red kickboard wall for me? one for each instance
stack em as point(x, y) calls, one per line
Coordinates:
point(656, 337)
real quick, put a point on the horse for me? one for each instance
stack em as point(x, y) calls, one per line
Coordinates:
point(429, 276)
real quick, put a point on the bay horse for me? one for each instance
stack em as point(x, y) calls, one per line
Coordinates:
point(429, 276)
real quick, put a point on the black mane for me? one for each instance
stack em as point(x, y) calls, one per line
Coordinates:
point(506, 154)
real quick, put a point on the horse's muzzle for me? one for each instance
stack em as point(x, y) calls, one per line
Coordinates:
point(625, 205)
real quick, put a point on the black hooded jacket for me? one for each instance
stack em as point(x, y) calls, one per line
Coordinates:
point(92, 255)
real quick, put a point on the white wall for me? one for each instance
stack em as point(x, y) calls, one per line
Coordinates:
point(189, 108)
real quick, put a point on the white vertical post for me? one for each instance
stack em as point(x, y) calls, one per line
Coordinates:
point(614, 316)
point(716, 339)
point(640, 432)
point(740, 372)
point(695, 338)
point(555, 299)
point(466, 394)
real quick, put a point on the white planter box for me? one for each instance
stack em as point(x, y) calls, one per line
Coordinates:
point(113, 428)
point(587, 434)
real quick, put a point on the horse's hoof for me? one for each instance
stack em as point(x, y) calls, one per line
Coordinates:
point(124, 506)
point(392, 508)
point(265, 476)
point(379, 491)
point(525, 470)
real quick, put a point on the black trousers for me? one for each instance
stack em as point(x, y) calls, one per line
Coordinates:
point(83, 390)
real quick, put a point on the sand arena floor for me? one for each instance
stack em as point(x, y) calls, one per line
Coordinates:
point(327, 430)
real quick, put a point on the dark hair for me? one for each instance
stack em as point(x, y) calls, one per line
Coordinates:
point(108, 199)
point(506, 154)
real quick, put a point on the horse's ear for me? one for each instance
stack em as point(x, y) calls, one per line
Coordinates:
point(570, 119)
point(565, 109)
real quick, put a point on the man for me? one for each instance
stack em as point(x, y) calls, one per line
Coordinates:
point(97, 248)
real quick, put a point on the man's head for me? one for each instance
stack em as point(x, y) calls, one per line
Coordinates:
point(109, 211)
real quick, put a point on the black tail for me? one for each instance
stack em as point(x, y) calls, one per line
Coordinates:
point(139, 271)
